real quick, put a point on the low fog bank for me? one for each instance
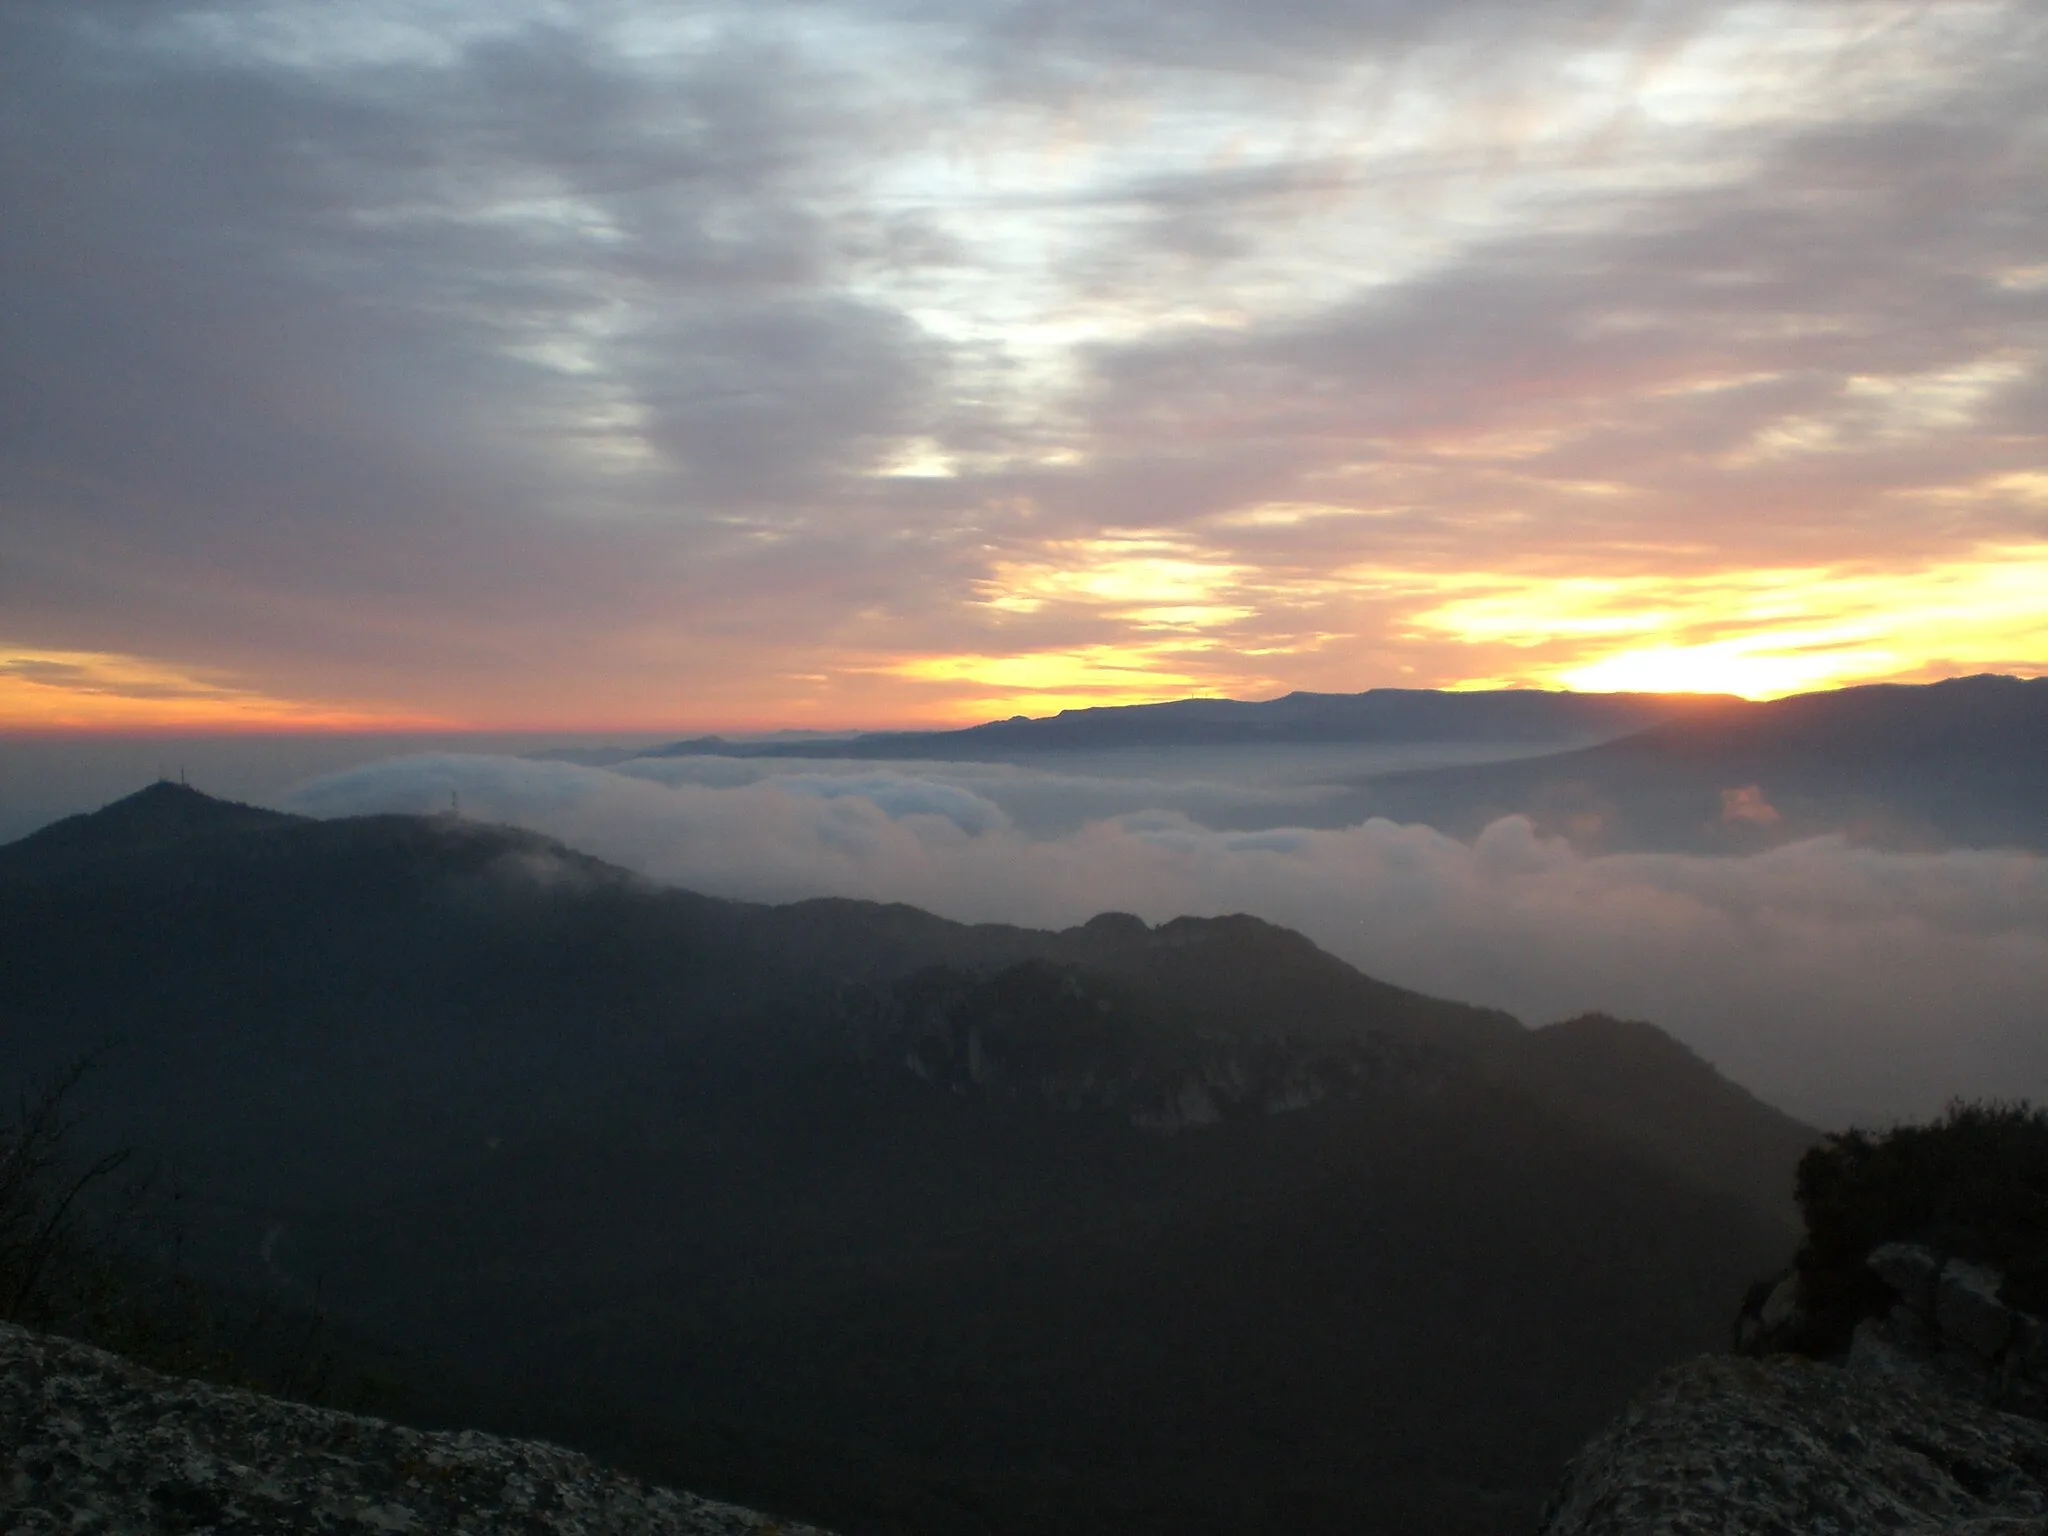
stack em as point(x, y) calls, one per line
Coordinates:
point(46, 777)
point(1838, 982)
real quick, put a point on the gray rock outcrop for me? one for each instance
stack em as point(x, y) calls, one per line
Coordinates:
point(1791, 1447)
point(1936, 1321)
point(1929, 1423)
point(92, 1442)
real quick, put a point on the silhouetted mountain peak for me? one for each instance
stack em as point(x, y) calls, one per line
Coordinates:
point(1116, 928)
point(1239, 930)
point(172, 832)
point(161, 813)
point(165, 804)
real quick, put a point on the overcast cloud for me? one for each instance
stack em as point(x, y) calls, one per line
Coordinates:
point(859, 360)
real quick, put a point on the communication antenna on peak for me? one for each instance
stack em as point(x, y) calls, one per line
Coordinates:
point(455, 803)
point(181, 777)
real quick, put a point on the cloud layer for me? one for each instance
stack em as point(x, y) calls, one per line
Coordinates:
point(1837, 981)
point(544, 363)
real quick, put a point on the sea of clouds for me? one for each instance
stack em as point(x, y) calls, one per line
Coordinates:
point(1835, 980)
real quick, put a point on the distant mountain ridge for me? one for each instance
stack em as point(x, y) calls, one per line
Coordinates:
point(1398, 716)
point(1959, 762)
point(829, 1207)
point(1985, 710)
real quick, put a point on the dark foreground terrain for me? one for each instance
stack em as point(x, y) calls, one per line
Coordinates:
point(91, 1441)
point(865, 1217)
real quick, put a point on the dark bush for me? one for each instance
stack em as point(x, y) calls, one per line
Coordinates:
point(91, 1254)
point(43, 1195)
point(1973, 1184)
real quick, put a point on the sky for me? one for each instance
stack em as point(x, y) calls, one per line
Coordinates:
point(622, 365)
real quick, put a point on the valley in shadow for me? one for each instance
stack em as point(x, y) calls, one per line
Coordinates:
point(903, 1225)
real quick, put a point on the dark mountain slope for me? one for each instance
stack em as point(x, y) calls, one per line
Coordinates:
point(1956, 763)
point(852, 1211)
point(1646, 1089)
point(963, 1314)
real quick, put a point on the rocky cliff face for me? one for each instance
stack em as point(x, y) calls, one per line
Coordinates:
point(1076, 1040)
point(92, 1442)
point(1929, 1421)
point(1920, 1316)
point(1788, 1445)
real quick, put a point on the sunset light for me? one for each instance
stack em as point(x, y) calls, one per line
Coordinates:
point(987, 687)
point(1113, 767)
point(1147, 583)
point(98, 692)
point(1327, 355)
point(1760, 633)
point(1749, 668)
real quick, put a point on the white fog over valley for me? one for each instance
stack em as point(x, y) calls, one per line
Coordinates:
point(1839, 982)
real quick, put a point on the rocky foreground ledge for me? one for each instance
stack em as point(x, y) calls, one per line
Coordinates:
point(92, 1442)
point(1784, 1446)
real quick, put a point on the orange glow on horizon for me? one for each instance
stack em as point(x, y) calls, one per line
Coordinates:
point(104, 693)
point(1180, 622)
point(1758, 633)
point(1046, 682)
